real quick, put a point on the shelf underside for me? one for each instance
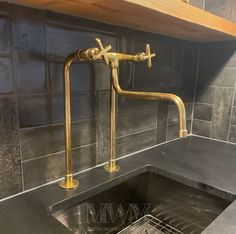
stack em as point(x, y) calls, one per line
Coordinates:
point(166, 17)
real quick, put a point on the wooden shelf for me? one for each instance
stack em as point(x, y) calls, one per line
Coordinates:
point(167, 17)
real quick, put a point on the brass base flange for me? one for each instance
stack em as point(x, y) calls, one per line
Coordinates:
point(111, 168)
point(183, 133)
point(69, 183)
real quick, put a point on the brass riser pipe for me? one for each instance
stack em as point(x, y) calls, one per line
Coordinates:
point(68, 182)
point(111, 166)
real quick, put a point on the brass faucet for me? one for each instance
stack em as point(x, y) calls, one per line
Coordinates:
point(112, 60)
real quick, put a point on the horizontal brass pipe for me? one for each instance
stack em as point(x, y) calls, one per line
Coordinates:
point(154, 96)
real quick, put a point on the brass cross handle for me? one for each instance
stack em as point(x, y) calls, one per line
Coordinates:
point(149, 56)
point(102, 51)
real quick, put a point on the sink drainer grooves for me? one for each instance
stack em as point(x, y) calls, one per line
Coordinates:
point(149, 224)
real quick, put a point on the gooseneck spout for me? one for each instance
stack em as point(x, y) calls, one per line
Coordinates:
point(152, 96)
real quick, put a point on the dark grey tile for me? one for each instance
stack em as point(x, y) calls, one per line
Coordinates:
point(10, 160)
point(201, 127)
point(4, 32)
point(81, 76)
point(137, 121)
point(235, 99)
point(232, 134)
point(3, 8)
point(217, 64)
point(173, 112)
point(205, 94)
point(185, 63)
point(231, 10)
point(203, 111)
point(101, 76)
point(231, 60)
point(220, 77)
point(83, 105)
point(28, 43)
point(135, 142)
point(189, 75)
point(217, 7)
point(50, 139)
point(72, 39)
point(103, 119)
point(126, 42)
point(226, 77)
point(174, 66)
point(28, 29)
point(45, 169)
point(216, 56)
point(126, 75)
point(152, 78)
point(197, 3)
point(186, 93)
point(233, 116)
point(105, 32)
point(6, 81)
point(31, 76)
point(181, 71)
point(33, 110)
point(162, 70)
point(162, 117)
point(221, 113)
point(127, 104)
point(172, 130)
point(163, 47)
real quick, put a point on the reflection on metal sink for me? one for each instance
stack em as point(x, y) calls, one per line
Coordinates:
point(163, 202)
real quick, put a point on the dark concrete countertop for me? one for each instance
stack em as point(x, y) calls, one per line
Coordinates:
point(202, 163)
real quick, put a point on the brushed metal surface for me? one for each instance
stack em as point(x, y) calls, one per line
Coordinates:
point(184, 208)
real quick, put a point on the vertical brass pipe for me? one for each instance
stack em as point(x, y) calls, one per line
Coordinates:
point(68, 182)
point(111, 166)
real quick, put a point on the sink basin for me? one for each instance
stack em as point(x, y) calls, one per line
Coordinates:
point(148, 202)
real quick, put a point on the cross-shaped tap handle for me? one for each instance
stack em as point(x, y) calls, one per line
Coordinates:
point(102, 51)
point(149, 56)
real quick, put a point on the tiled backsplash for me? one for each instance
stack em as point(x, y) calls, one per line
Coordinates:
point(214, 114)
point(215, 103)
point(33, 47)
point(222, 8)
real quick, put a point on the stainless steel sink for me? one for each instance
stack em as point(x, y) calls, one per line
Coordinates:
point(147, 203)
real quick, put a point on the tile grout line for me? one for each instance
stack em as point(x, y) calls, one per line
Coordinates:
point(231, 114)
point(202, 120)
point(136, 132)
point(58, 124)
point(58, 152)
point(156, 122)
point(14, 65)
point(213, 139)
point(97, 128)
point(167, 126)
point(195, 90)
point(172, 65)
point(213, 110)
